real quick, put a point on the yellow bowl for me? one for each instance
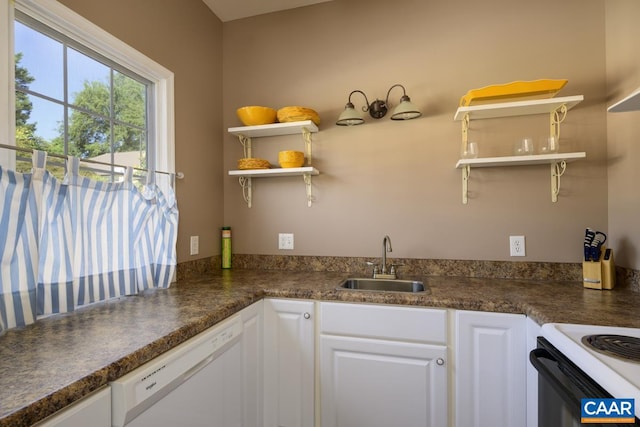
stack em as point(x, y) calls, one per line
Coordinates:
point(255, 115)
point(291, 159)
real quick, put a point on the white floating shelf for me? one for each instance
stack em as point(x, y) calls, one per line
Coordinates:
point(630, 103)
point(275, 129)
point(517, 108)
point(557, 161)
point(534, 159)
point(307, 170)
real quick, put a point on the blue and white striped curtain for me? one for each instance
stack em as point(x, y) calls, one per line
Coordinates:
point(67, 244)
point(156, 227)
point(19, 227)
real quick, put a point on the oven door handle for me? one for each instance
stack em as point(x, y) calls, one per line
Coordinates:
point(563, 391)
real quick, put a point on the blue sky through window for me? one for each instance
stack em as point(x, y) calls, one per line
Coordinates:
point(42, 56)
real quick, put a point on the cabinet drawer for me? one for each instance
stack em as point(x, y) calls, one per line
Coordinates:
point(384, 322)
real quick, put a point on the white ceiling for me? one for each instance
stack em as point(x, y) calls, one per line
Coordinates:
point(228, 10)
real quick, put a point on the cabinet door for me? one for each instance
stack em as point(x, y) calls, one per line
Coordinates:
point(289, 363)
point(490, 374)
point(252, 365)
point(93, 410)
point(371, 382)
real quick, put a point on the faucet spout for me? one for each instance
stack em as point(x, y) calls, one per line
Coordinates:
point(386, 246)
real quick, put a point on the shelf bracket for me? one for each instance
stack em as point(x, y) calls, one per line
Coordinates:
point(245, 141)
point(465, 133)
point(466, 172)
point(245, 183)
point(556, 117)
point(307, 182)
point(306, 135)
point(557, 170)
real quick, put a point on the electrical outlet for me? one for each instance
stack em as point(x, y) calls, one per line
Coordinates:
point(195, 245)
point(516, 246)
point(285, 241)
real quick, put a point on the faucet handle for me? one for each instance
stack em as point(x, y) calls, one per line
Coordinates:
point(375, 267)
point(394, 270)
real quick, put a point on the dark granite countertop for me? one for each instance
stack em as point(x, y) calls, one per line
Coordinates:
point(48, 365)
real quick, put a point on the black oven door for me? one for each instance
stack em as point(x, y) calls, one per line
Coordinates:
point(561, 386)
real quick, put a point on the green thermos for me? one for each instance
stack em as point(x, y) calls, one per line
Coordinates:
point(226, 247)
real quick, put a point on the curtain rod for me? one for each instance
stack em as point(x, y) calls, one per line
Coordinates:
point(179, 175)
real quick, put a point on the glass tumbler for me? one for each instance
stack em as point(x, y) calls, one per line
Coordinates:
point(471, 151)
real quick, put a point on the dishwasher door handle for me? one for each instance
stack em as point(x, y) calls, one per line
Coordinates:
point(194, 370)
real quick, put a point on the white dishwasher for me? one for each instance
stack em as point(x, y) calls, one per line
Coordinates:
point(198, 383)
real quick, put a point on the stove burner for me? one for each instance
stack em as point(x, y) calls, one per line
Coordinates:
point(620, 346)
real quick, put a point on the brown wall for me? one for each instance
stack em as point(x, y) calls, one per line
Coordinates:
point(399, 178)
point(388, 177)
point(623, 129)
point(185, 37)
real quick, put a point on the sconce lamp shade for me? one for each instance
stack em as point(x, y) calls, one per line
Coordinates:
point(350, 117)
point(406, 110)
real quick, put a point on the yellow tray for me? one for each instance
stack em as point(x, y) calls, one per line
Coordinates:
point(514, 91)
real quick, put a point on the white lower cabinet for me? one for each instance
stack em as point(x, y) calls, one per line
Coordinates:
point(378, 366)
point(382, 366)
point(289, 363)
point(93, 410)
point(490, 369)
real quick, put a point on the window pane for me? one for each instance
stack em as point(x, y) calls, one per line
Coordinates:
point(89, 136)
point(129, 100)
point(105, 110)
point(97, 172)
point(88, 82)
point(41, 57)
point(23, 164)
point(130, 146)
point(39, 123)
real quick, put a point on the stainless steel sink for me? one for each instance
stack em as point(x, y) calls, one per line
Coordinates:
point(385, 285)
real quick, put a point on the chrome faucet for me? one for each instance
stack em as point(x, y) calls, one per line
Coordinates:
point(386, 246)
point(383, 273)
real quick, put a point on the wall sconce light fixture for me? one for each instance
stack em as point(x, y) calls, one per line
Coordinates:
point(405, 110)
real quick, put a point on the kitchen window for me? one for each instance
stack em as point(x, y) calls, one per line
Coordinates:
point(80, 91)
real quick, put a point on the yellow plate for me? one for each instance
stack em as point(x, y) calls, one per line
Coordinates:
point(253, 163)
point(514, 91)
point(297, 114)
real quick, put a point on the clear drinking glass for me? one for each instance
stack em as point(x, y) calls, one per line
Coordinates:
point(553, 144)
point(471, 151)
point(523, 147)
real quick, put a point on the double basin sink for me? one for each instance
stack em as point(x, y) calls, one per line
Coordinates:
point(383, 285)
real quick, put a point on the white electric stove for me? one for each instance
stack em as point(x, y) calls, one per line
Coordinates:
point(619, 376)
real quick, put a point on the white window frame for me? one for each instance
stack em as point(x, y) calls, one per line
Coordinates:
point(76, 27)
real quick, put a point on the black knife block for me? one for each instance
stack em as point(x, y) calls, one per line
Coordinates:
point(600, 274)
